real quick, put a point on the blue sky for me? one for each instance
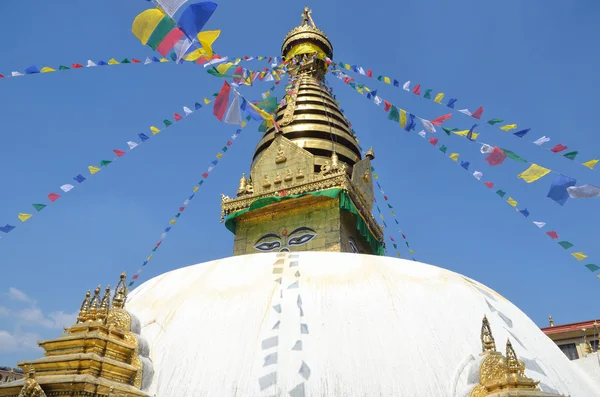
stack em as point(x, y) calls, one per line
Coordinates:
point(526, 62)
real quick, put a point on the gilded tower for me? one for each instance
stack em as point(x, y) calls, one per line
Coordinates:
point(309, 188)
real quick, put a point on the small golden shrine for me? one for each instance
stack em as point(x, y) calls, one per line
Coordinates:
point(309, 188)
point(102, 355)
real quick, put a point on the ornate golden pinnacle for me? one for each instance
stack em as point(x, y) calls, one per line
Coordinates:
point(94, 305)
point(551, 321)
point(488, 344)
point(370, 154)
point(511, 359)
point(104, 306)
point(242, 188)
point(85, 307)
point(120, 293)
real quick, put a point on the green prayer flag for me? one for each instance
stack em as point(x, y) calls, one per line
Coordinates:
point(61, 67)
point(154, 249)
point(389, 206)
point(224, 149)
point(104, 163)
point(125, 61)
point(272, 88)
point(131, 283)
point(513, 156)
point(395, 246)
point(571, 155)
point(443, 148)
point(592, 267)
point(178, 215)
point(501, 193)
point(167, 122)
point(39, 207)
point(394, 114)
point(263, 126)
point(495, 121)
point(248, 118)
point(407, 244)
point(201, 182)
point(565, 244)
point(216, 94)
point(341, 64)
point(427, 94)
point(351, 84)
point(449, 130)
point(379, 78)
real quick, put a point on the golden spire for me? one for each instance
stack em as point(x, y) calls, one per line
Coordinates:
point(105, 305)
point(85, 307)
point(242, 188)
point(551, 321)
point(511, 359)
point(487, 339)
point(370, 154)
point(94, 305)
point(120, 293)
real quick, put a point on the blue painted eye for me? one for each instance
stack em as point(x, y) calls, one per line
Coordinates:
point(305, 238)
point(268, 246)
point(353, 247)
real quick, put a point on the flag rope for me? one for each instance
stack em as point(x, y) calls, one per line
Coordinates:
point(590, 164)
point(566, 245)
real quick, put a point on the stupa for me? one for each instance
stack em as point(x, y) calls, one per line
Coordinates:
point(307, 306)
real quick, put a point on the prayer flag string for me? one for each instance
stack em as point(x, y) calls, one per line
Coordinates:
point(562, 187)
point(94, 169)
point(559, 148)
point(524, 211)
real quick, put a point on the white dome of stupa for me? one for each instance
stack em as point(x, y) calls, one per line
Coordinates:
point(320, 324)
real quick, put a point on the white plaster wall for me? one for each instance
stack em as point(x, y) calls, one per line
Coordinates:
point(330, 324)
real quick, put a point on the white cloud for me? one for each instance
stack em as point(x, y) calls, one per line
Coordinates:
point(4, 311)
point(18, 341)
point(18, 295)
point(60, 319)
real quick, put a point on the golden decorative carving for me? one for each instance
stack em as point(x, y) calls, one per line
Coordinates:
point(325, 168)
point(266, 182)
point(249, 186)
point(85, 307)
point(551, 321)
point(119, 318)
point(288, 175)
point(137, 378)
point(31, 388)
point(478, 391)
point(492, 367)
point(102, 313)
point(280, 156)
point(242, 188)
point(487, 339)
point(120, 293)
point(288, 114)
point(277, 179)
point(94, 305)
point(299, 174)
point(370, 154)
point(366, 177)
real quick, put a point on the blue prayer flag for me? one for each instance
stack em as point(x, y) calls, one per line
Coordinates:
point(465, 164)
point(195, 16)
point(145, 263)
point(214, 162)
point(470, 133)
point(79, 178)
point(524, 212)
point(558, 189)
point(197, 105)
point(101, 63)
point(410, 125)
point(143, 137)
point(451, 102)
point(522, 133)
point(396, 83)
point(155, 59)
point(167, 229)
point(191, 197)
point(6, 228)
point(32, 70)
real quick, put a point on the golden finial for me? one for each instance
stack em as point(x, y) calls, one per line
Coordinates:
point(104, 306)
point(94, 305)
point(85, 307)
point(334, 161)
point(511, 359)
point(370, 154)
point(551, 321)
point(242, 188)
point(120, 293)
point(31, 372)
point(487, 339)
point(305, 16)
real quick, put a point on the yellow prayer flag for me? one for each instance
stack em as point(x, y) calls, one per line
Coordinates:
point(113, 61)
point(347, 66)
point(222, 68)
point(206, 101)
point(533, 173)
point(387, 80)
point(150, 257)
point(402, 118)
point(145, 23)
point(276, 75)
point(93, 169)
point(393, 213)
point(219, 155)
point(154, 130)
point(579, 255)
point(47, 69)
point(508, 127)
point(244, 124)
point(465, 132)
point(367, 89)
point(163, 60)
point(375, 176)
point(24, 217)
point(381, 216)
point(195, 189)
point(237, 60)
point(590, 164)
point(266, 94)
point(206, 39)
point(439, 97)
point(262, 113)
point(454, 156)
point(172, 222)
point(412, 252)
point(512, 202)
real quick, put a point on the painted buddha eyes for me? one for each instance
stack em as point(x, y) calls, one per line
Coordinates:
point(268, 245)
point(305, 238)
point(352, 244)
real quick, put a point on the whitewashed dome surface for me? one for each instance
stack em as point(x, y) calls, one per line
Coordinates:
point(316, 324)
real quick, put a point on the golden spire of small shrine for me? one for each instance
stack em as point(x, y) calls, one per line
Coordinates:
point(488, 344)
point(94, 305)
point(120, 292)
point(104, 306)
point(85, 307)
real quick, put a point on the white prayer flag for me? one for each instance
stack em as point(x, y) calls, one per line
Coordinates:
point(584, 191)
point(171, 6)
point(361, 71)
point(147, 61)
point(215, 61)
point(186, 202)
point(163, 235)
point(234, 114)
point(539, 224)
point(187, 111)
point(428, 126)
point(66, 188)
point(465, 111)
point(422, 134)
point(211, 168)
point(477, 175)
point(269, 77)
point(181, 48)
point(377, 100)
point(132, 145)
point(485, 148)
point(16, 74)
point(541, 140)
point(406, 86)
point(90, 64)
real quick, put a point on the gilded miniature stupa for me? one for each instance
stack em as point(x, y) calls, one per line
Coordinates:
point(309, 188)
point(307, 306)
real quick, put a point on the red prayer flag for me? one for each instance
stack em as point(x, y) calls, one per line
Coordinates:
point(118, 152)
point(558, 148)
point(53, 197)
point(440, 120)
point(417, 89)
point(177, 117)
point(135, 276)
point(245, 57)
point(269, 61)
point(222, 101)
point(159, 243)
point(552, 234)
point(391, 238)
point(229, 143)
point(386, 105)
point(496, 157)
point(1, 76)
point(477, 113)
point(169, 41)
point(403, 236)
point(277, 82)
point(370, 73)
point(76, 66)
point(205, 175)
point(181, 209)
point(385, 197)
point(135, 60)
point(433, 141)
point(489, 184)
